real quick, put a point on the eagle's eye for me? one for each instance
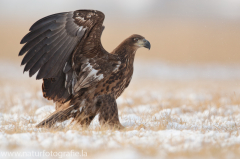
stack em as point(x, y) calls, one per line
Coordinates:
point(135, 39)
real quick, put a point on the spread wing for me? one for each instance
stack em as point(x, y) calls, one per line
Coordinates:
point(53, 45)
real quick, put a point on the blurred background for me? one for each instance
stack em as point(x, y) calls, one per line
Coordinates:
point(201, 35)
point(186, 88)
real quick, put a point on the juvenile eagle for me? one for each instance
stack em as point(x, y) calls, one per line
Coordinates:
point(78, 74)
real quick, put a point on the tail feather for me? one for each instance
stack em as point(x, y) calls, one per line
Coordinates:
point(57, 116)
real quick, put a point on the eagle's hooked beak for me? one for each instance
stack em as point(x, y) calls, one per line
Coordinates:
point(146, 44)
point(143, 43)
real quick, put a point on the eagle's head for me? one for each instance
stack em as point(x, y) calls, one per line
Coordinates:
point(139, 41)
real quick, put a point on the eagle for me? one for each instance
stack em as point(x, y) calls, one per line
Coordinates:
point(79, 75)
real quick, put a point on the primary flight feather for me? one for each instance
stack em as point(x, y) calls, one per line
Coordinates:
point(78, 74)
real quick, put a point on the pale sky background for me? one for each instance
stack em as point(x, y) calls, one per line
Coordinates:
point(187, 31)
point(213, 9)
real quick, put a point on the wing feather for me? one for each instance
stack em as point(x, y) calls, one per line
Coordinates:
point(40, 23)
point(46, 70)
point(33, 34)
point(56, 49)
point(38, 39)
point(51, 43)
point(45, 45)
point(61, 60)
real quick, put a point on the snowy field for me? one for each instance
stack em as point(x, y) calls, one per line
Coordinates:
point(168, 112)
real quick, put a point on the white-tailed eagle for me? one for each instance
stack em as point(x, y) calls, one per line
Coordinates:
point(78, 74)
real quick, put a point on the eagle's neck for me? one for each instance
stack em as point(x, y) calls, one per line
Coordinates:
point(126, 54)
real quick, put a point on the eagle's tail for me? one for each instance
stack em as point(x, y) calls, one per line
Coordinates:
point(57, 116)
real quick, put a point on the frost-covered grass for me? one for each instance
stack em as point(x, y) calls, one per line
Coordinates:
point(163, 119)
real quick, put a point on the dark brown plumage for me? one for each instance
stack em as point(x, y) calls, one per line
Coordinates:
point(78, 74)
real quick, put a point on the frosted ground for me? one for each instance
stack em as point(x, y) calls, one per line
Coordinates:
point(168, 112)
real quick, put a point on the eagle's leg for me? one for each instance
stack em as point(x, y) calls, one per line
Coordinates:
point(88, 113)
point(93, 112)
point(87, 121)
point(108, 112)
point(84, 118)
